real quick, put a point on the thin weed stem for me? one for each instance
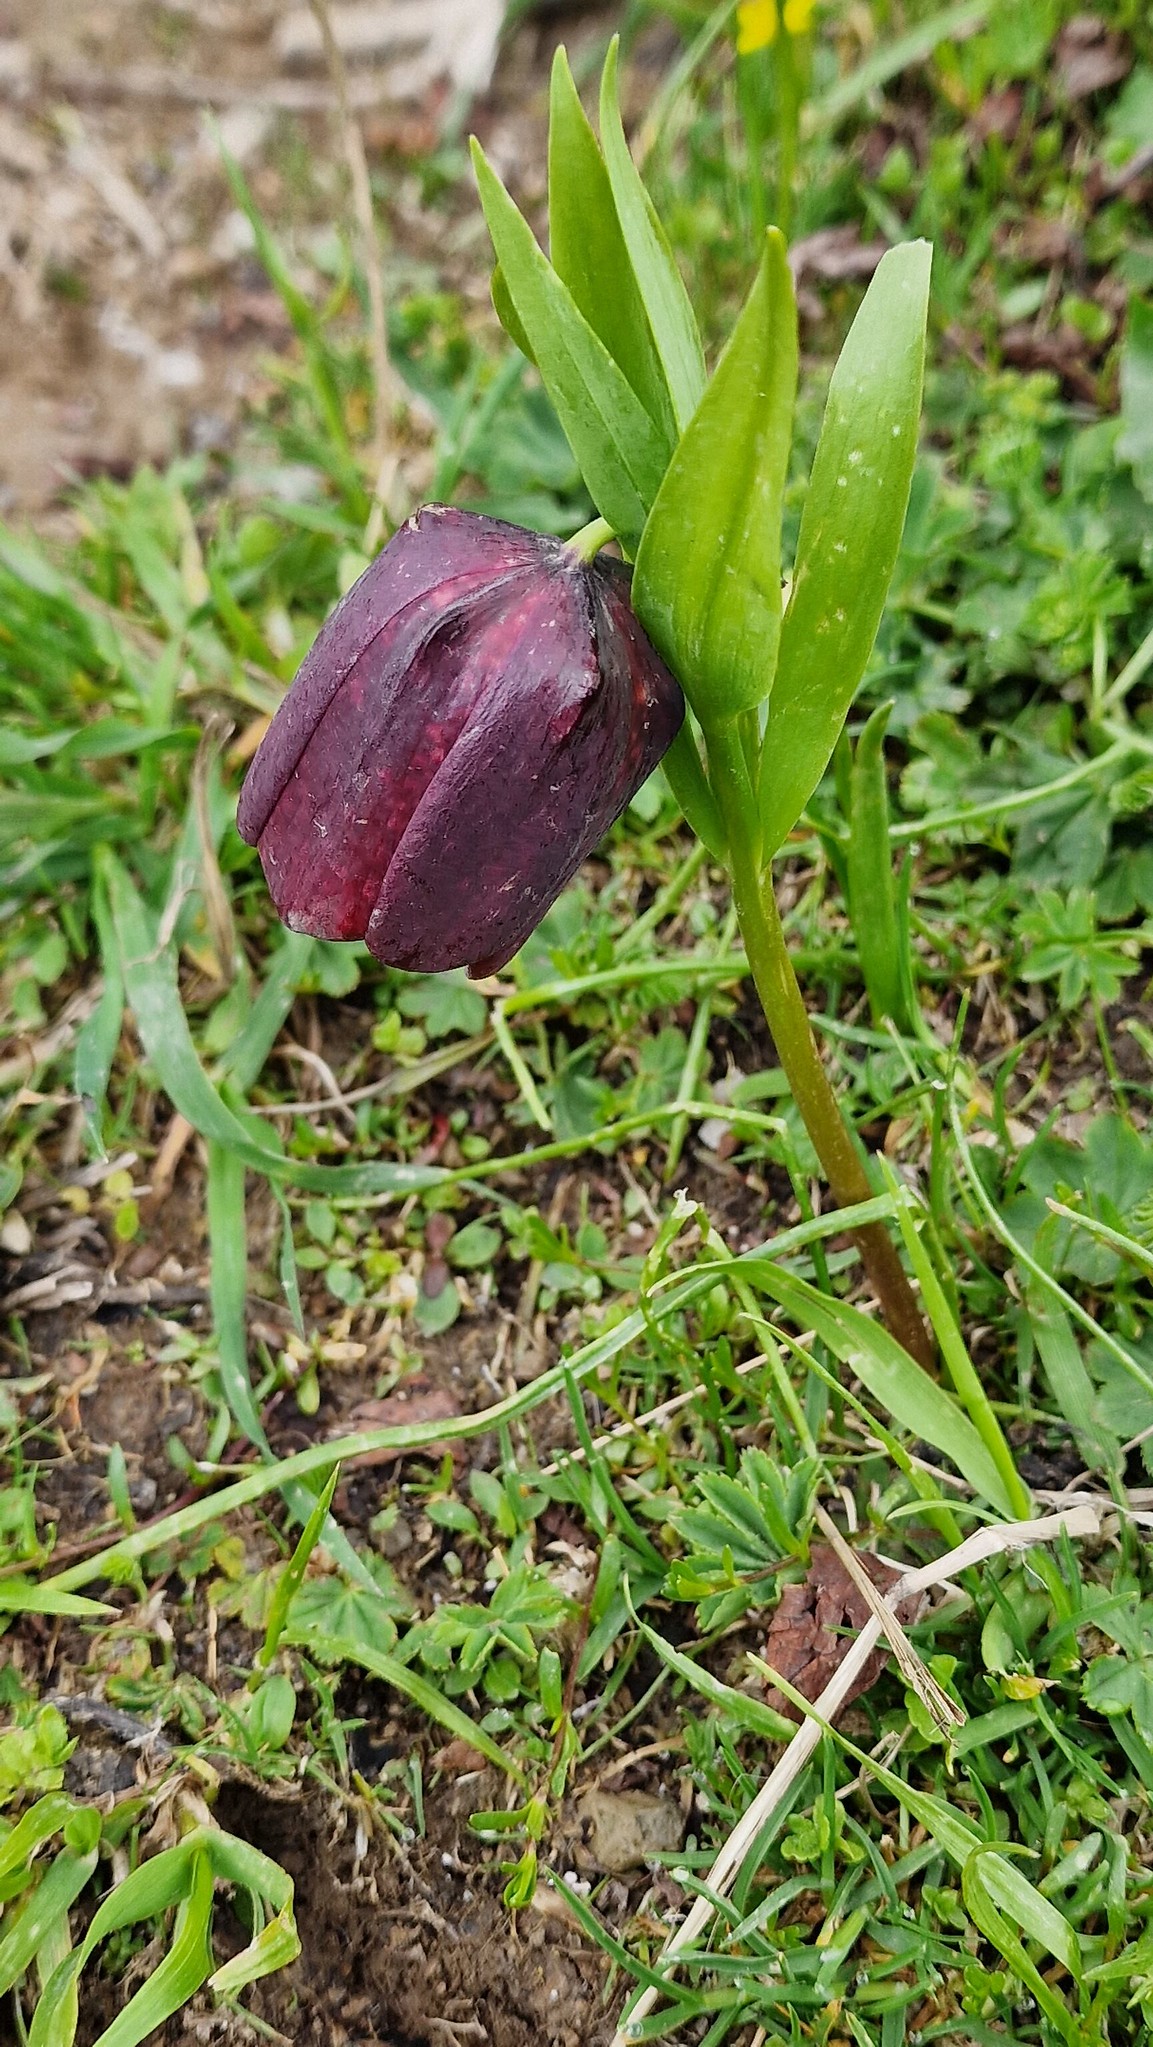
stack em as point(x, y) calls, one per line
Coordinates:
point(384, 463)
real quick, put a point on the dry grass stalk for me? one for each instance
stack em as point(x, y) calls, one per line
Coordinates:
point(1076, 1522)
point(383, 453)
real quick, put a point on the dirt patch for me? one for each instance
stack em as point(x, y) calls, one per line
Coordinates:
point(411, 1945)
point(403, 1944)
point(134, 314)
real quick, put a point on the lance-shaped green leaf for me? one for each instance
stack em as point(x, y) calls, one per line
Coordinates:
point(621, 451)
point(707, 587)
point(506, 313)
point(589, 252)
point(850, 534)
point(882, 944)
point(662, 287)
point(1135, 441)
point(888, 1373)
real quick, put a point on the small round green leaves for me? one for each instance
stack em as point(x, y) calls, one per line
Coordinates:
point(708, 576)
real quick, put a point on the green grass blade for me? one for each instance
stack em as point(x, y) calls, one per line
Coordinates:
point(748, 1712)
point(277, 1943)
point(292, 1576)
point(1037, 1918)
point(966, 1379)
point(921, 1406)
point(228, 1283)
point(99, 1037)
point(979, 1895)
point(237, 1862)
point(150, 981)
point(1069, 1381)
point(588, 1359)
point(228, 1245)
point(55, 1948)
point(37, 1825)
point(887, 63)
point(19, 1595)
point(144, 1894)
point(53, 1896)
point(343, 1649)
point(306, 325)
point(185, 1967)
point(244, 1060)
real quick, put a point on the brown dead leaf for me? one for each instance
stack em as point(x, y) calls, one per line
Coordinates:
point(458, 1759)
point(833, 255)
point(1089, 57)
point(1063, 349)
point(806, 1638)
point(999, 114)
point(416, 1402)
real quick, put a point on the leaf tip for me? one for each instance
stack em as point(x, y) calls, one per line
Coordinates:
point(609, 76)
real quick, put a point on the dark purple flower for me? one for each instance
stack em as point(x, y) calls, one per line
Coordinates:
point(472, 718)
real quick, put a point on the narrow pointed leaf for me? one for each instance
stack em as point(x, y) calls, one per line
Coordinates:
point(888, 1373)
point(178, 1977)
point(872, 883)
point(20, 1595)
point(662, 287)
point(1029, 1909)
point(1069, 1381)
point(39, 1823)
point(589, 252)
point(707, 587)
point(506, 313)
point(344, 1649)
point(150, 981)
point(54, 1896)
point(237, 1862)
point(621, 452)
point(850, 534)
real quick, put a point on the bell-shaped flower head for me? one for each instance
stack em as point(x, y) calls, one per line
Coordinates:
point(472, 718)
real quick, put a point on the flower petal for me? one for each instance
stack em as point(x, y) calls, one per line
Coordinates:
point(525, 798)
point(437, 558)
point(757, 26)
point(384, 738)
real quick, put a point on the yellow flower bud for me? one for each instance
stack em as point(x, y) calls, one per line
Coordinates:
point(758, 22)
point(757, 25)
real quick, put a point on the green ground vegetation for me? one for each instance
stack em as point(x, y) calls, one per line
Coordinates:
point(595, 1181)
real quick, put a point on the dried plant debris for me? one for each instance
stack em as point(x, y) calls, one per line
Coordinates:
point(808, 1633)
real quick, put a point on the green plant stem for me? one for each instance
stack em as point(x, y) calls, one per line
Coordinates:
point(591, 538)
point(788, 1020)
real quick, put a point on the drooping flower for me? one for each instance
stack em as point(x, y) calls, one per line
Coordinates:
point(472, 718)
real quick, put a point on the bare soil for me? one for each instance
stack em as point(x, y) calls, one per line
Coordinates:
point(134, 317)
